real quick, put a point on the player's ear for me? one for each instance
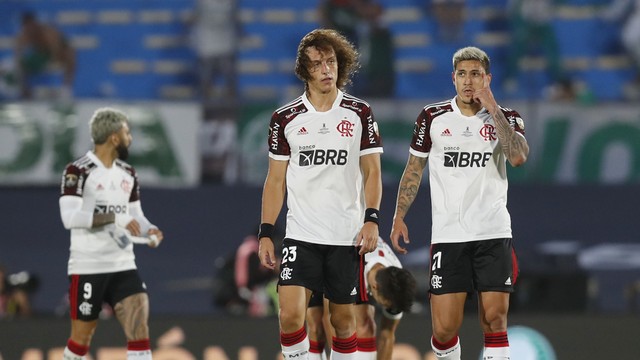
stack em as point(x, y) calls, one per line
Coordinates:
point(114, 138)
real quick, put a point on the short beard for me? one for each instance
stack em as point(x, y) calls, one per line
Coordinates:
point(123, 152)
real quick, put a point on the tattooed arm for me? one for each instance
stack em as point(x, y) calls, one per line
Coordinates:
point(514, 145)
point(409, 185)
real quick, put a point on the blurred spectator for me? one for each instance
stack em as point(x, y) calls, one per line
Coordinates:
point(532, 27)
point(242, 285)
point(15, 290)
point(362, 23)
point(345, 16)
point(214, 37)
point(218, 144)
point(449, 15)
point(376, 55)
point(628, 12)
point(39, 45)
point(9, 87)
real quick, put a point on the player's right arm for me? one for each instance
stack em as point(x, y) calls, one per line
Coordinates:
point(273, 194)
point(407, 191)
point(75, 217)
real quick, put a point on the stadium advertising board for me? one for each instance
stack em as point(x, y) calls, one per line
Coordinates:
point(37, 140)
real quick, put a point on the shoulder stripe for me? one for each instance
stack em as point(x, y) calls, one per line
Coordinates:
point(346, 96)
point(292, 104)
point(84, 162)
point(441, 103)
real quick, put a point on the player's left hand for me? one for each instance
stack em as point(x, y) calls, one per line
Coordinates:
point(367, 238)
point(159, 236)
point(484, 96)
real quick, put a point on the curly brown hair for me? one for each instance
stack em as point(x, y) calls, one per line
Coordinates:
point(325, 40)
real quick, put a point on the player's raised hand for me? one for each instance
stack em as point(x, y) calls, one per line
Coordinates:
point(484, 95)
point(399, 230)
point(266, 253)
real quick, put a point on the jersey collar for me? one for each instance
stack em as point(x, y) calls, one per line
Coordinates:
point(311, 108)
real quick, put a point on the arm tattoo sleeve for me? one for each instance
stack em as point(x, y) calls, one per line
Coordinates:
point(513, 145)
point(409, 184)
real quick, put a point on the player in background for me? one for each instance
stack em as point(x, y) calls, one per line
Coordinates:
point(392, 288)
point(467, 142)
point(324, 154)
point(100, 205)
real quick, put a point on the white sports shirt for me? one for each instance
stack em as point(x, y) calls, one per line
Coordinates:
point(386, 257)
point(467, 172)
point(325, 190)
point(88, 187)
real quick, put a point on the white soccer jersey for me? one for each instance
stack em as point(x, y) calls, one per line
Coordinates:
point(325, 192)
point(467, 172)
point(386, 257)
point(102, 190)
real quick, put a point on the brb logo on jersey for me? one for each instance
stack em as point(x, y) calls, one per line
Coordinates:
point(323, 157)
point(116, 209)
point(466, 159)
point(345, 128)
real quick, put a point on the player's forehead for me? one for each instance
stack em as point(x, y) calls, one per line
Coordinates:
point(469, 66)
point(317, 54)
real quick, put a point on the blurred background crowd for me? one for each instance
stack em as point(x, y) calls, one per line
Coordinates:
point(200, 79)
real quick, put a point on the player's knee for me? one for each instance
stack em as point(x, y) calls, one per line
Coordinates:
point(344, 326)
point(290, 320)
point(140, 332)
point(443, 335)
point(494, 320)
point(366, 328)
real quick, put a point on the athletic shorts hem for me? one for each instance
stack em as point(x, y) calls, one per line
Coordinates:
point(495, 288)
point(450, 291)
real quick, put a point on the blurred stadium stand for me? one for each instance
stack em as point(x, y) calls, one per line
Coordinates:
point(135, 49)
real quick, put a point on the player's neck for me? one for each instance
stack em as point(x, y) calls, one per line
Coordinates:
point(468, 109)
point(105, 154)
point(322, 101)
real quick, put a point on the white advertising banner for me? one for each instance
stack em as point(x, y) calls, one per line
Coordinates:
point(37, 140)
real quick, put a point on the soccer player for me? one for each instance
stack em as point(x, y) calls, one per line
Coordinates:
point(392, 288)
point(467, 141)
point(100, 204)
point(324, 153)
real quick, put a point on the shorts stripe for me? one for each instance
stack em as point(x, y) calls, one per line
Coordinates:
point(73, 297)
point(514, 264)
point(364, 297)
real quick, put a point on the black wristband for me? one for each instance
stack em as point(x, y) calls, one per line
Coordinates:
point(266, 230)
point(372, 215)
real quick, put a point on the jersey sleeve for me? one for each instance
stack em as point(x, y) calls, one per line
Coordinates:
point(279, 148)
point(421, 140)
point(515, 120)
point(73, 179)
point(135, 192)
point(371, 141)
